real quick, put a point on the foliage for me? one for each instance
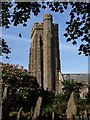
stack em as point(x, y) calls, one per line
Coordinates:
point(23, 88)
point(78, 28)
point(69, 86)
point(48, 103)
point(61, 103)
point(4, 48)
point(24, 91)
point(57, 104)
point(84, 102)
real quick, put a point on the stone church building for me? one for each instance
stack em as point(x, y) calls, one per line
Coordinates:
point(44, 59)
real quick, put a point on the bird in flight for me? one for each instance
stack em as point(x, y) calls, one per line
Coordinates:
point(20, 35)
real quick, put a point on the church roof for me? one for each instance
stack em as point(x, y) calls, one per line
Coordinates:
point(76, 77)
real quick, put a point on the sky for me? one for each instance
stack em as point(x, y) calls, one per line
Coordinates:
point(70, 61)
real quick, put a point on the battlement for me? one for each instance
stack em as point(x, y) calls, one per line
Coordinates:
point(47, 17)
point(55, 26)
point(36, 26)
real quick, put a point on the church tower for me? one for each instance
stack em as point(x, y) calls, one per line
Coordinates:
point(44, 62)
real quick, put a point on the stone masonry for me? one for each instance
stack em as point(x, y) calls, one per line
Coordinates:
point(44, 62)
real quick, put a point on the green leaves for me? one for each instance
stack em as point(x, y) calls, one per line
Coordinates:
point(85, 48)
point(77, 28)
point(43, 6)
point(74, 42)
point(20, 13)
point(57, 104)
point(4, 48)
point(68, 39)
point(22, 86)
point(66, 35)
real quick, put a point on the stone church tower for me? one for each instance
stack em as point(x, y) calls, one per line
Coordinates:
point(44, 61)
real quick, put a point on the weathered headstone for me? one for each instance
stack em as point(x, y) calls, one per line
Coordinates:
point(37, 109)
point(72, 106)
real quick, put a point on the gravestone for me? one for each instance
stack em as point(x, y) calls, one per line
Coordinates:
point(37, 109)
point(72, 106)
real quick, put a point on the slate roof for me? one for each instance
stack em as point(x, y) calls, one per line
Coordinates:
point(76, 77)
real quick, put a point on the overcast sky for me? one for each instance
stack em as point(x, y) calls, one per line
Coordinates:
point(70, 61)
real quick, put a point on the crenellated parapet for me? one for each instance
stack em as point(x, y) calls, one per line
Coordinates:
point(36, 26)
point(55, 27)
